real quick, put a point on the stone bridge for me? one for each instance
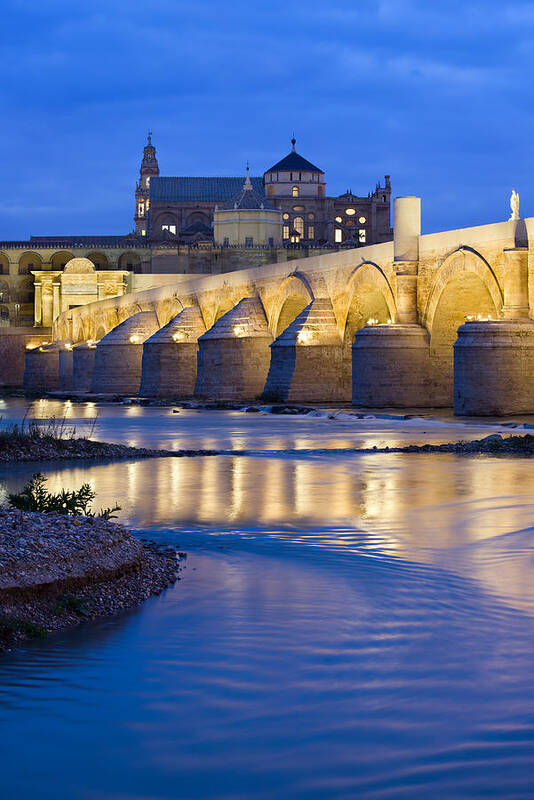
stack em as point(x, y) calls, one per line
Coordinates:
point(423, 321)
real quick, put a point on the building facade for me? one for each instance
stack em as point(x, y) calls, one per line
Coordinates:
point(193, 225)
point(183, 208)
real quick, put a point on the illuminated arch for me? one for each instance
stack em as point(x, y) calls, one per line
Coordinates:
point(461, 261)
point(294, 294)
point(368, 295)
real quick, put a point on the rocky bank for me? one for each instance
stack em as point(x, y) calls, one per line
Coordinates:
point(57, 571)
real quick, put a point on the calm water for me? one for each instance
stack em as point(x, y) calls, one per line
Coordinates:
point(347, 626)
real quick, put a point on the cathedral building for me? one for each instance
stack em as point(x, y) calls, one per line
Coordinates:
point(183, 209)
point(183, 225)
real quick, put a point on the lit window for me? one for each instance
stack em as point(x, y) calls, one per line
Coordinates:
point(286, 216)
point(339, 235)
point(298, 208)
point(362, 220)
point(338, 219)
point(143, 233)
point(295, 191)
point(311, 216)
point(298, 224)
point(147, 204)
point(350, 212)
point(311, 232)
point(141, 209)
point(170, 228)
point(285, 232)
point(148, 181)
point(270, 191)
point(362, 235)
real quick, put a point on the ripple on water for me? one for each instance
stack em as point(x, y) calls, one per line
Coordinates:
point(346, 627)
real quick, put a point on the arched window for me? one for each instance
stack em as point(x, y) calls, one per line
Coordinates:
point(298, 225)
point(295, 191)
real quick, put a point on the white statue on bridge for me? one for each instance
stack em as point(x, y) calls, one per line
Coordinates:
point(514, 205)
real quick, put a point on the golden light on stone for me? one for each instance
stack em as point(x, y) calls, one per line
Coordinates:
point(239, 330)
point(304, 337)
point(134, 339)
point(179, 336)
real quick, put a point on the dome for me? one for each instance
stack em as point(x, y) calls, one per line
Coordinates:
point(79, 266)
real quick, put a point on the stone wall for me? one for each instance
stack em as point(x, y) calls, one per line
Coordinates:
point(13, 344)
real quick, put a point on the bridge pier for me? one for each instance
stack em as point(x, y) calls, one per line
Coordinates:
point(494, 368)
point(41, 367)
point(391, 367)
point(83, 365)
point(119, 355)
point(65, 368)
point(169, 367)
point(307, 359)
point(494, 359)
point(233, 355)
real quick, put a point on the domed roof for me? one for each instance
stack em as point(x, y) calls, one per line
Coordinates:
point(248, 198)
point(294, 162)
point(79, 266)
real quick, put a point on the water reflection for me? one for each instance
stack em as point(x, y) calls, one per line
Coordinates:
point(348, 626)
point(441, 509)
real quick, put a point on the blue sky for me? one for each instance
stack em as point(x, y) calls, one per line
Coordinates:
point(437, 94)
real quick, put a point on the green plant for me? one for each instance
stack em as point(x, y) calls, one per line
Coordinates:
point(36, 497)
point(53, 430)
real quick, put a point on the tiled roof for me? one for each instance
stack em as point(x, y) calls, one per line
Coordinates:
point(293, 162)
point(215, 190)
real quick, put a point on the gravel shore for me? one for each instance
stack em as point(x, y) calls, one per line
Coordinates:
point(56, 449)
point(57, 571)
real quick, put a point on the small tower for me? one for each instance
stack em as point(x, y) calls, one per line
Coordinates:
point(294, 176)
point(149, 169)
point(248, 219)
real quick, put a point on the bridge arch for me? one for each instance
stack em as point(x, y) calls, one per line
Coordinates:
point(465, 285)
point(460, 263)
point(368, 295)
point(292, 297)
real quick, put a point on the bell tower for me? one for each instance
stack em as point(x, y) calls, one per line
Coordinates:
point(149, 169)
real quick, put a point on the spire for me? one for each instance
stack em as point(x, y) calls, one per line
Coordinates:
point(293, 143)
point(247, 186)
point(149, 137)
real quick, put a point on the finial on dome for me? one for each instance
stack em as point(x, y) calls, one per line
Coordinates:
point(150, 137)
point(293, 142)
point(247, 184)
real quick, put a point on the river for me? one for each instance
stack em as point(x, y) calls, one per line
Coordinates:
point(348, 625)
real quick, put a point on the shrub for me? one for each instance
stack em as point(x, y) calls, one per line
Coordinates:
point(36, 497)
